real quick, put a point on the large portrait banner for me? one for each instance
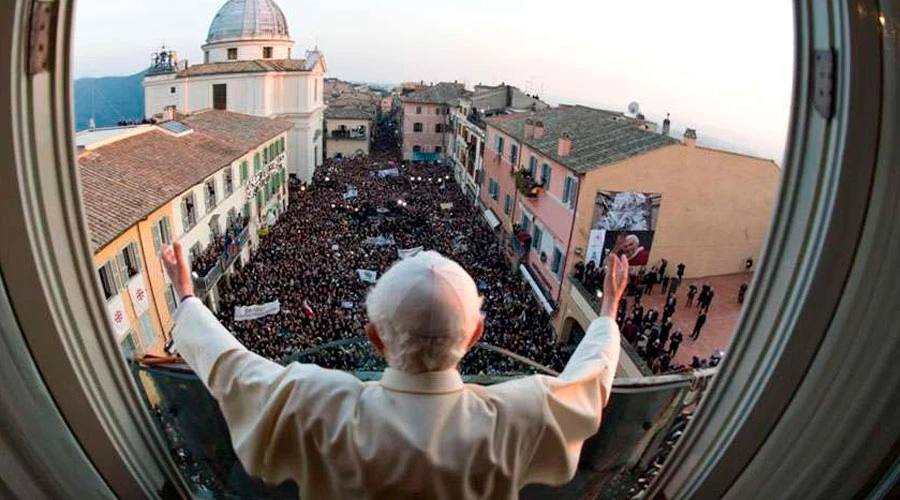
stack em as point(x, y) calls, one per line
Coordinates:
point(624, 222)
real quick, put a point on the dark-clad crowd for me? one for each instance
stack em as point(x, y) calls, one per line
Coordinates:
point(351, 218)
point(652, 332)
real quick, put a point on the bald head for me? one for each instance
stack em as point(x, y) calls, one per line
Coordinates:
point(425, 313)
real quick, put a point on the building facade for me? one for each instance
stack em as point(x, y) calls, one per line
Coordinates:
point(557, 182)
point(249, 68)
point(424, 121)
point(214, 180)
point(348, 131)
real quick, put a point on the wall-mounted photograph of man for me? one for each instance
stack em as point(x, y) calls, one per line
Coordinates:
point(624, 222)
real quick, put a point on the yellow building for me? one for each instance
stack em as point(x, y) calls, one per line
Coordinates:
point(348, 131)
point(213, 177)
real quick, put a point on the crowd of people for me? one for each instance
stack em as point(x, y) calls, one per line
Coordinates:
point(202, 262)
point(653, 334)
point(350, 218)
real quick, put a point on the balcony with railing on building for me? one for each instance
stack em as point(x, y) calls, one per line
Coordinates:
point(520, 241)
point(347, 134)
point(642, 423)
point(211, 263)
point(527, 185)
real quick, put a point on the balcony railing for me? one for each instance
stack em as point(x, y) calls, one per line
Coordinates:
point(527, 185)
point(520, 241)
point(348, 135)
point(230, 253)
point(641, 424)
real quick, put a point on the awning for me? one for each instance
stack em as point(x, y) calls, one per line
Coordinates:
point(492, 219)
point(537, 289)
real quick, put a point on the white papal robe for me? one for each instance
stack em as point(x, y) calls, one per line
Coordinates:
point(426, 436)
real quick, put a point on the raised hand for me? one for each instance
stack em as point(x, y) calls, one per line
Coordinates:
point(178, 270)
point(614, 285)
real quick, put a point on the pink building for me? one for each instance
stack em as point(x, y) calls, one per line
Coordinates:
point(571, 184)
point(533, 165)
point(424, 120)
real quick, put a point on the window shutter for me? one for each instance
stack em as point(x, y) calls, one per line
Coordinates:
point(113, 269)
point(136, 256)
point(166, 231)
point(157, 238)
point(123, 268)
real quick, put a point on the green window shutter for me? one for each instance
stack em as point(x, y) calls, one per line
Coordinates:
point(157, 238)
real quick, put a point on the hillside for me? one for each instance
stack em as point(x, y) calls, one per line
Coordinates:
point(113, 98)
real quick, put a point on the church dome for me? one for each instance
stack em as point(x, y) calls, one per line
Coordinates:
point(248, 20)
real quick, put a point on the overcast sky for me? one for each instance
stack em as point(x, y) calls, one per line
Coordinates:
point(720, 66)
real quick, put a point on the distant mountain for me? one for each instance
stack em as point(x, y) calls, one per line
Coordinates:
point(109, 99)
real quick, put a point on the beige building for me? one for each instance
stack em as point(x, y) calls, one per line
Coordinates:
point(348, 131)
point(714, 212)
point(213, 180)
point(572, 184)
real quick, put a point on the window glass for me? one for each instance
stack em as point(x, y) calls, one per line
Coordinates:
point(129, 348)
point(148, 335)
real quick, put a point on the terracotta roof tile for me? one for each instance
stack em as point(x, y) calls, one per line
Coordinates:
point(598, 137)
point(124, 181)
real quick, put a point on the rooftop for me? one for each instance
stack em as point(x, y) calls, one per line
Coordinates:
point(598, 137)
point(348, 113)
point(441, 93)
point(254, 66)
point(124, 181)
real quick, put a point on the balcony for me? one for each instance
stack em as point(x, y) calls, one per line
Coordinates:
point(347, 135)
point(527, 185)
point(589, 305)
point(222, 255)
point(520, 241)
point(641, 425)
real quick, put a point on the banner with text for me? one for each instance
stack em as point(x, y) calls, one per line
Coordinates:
point(247, 313)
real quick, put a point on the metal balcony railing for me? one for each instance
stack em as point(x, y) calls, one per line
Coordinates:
point(348, 135)
point(641, 424)
point(231, 253)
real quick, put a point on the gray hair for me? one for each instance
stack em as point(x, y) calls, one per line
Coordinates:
point(416, 353)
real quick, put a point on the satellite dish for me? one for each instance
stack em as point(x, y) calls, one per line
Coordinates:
point(634, 108)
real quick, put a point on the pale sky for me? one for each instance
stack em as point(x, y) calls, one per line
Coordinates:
point(722, 67)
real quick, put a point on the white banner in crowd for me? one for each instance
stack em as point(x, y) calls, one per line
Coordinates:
point(380, 241)
point(389, 172)
point(595, 246)
point(347, 305)
point(367, 275)
point(116, 309)
point(140, 297)
point(409, 252)
point(351, 193)
point(247, 313)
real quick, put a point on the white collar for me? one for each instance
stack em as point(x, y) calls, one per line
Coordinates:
point(441, 382)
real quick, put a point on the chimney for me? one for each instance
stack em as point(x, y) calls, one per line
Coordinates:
point(565, 145)
point(170, 113)
point(690, 137)
point(538, 129)
point(666, 125)
point(529, 128)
